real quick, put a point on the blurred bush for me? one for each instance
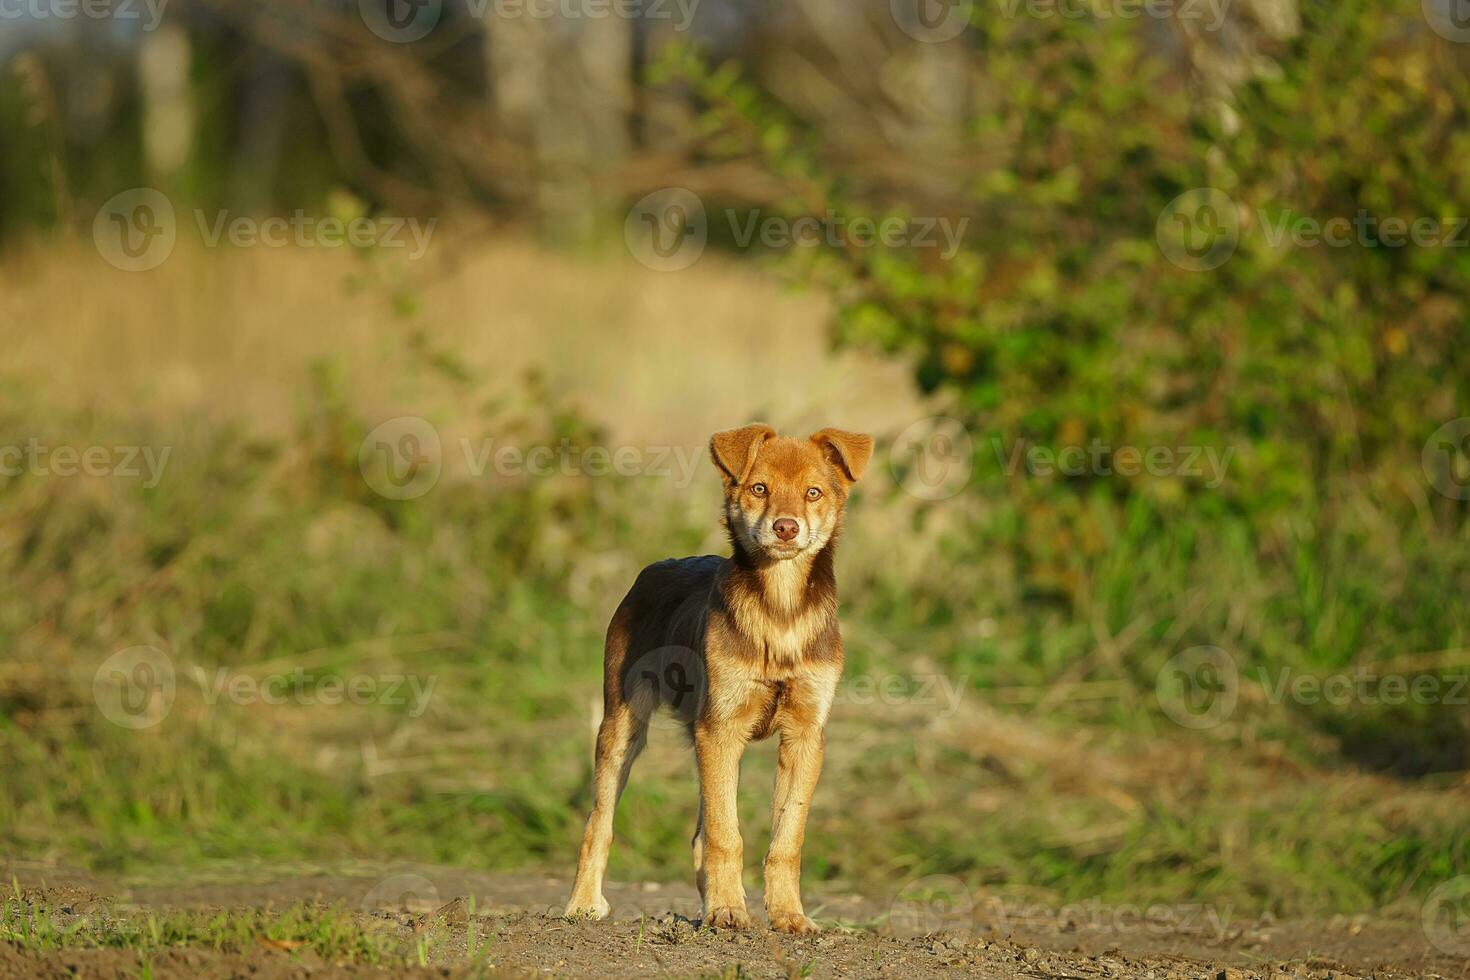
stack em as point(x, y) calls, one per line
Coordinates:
point(1318, 373)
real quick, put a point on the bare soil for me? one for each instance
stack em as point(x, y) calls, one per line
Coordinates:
point(654, 929)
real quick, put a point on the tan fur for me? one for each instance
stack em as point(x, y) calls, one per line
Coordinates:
point(740, 648)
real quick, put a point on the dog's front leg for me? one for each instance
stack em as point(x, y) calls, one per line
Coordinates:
point(799, 764)
point(719, 852)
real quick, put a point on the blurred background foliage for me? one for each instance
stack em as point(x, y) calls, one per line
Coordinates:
point(1060, 322)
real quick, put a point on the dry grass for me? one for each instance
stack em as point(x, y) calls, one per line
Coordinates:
point(660, 358)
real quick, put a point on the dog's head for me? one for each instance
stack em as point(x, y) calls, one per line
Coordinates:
point(784, 496)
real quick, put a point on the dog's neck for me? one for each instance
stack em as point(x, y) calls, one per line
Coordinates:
point(788, 588)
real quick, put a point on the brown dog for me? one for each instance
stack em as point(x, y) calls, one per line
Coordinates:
point(738, 648)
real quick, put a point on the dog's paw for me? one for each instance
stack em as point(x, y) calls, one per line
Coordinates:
point(727, 917)
point(794, 923)
point(578, 908)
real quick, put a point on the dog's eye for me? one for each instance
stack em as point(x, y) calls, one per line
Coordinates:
point(812, 493)
point(759, 489)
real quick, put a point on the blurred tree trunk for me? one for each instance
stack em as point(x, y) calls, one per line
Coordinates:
point(936, 91)
point(563, 92)
point(265, 103)
point(168, 106)
point(30, 116)
point(517, 65)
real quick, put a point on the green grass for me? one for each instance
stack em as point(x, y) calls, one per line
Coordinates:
point(259, 558)
point(331, 933)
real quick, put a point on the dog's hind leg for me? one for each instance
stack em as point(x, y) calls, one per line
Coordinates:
point(619, 741)
point(620, 737)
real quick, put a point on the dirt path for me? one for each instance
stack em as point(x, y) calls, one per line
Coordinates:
point(654, 930)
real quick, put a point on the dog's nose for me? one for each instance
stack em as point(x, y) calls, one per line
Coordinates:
point(786, 528)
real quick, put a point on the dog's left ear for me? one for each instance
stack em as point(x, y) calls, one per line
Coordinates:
point(848, 451)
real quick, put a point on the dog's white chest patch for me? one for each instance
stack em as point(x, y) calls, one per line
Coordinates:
point(785, 644)
point(784, 584)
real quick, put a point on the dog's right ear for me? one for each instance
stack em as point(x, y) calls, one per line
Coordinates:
point(734, 450)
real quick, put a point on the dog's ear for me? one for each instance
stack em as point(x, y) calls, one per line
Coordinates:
point(734, 449)
point(847, 451)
